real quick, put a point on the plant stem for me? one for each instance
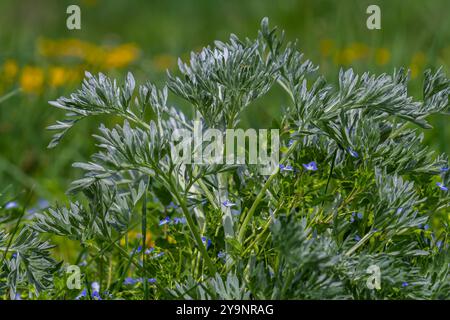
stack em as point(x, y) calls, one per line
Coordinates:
point(261, 193)
point(195, 233)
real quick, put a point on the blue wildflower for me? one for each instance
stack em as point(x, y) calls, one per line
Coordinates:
point(81, 295)
point(444, 169)
point(290, 142)
point(181, 220)
point(139, 249)
point(286, 168)
point(95, 286)
point(149, 250)
point(151, 280)
point(441, 186)
point(312, 166)
point(159, 255)
point(172, 205)
point(221, 255)
point(235, 212)
point(405, 284)
point(359, 215)
point(353, 153)
point(164, 221)
point(96, 295)
point(228, 204)
point(207, 242)
point(129, 281)
point(357, 238)
point(11, 205)
point(17, 297)
point(83, 263)
point(43, 204)
point(426, 227)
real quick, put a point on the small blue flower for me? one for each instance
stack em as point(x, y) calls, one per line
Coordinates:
point(405, 284)
point(14, 255)
point(129, 281)
point(207, 242)
point(359, 215)
point(17, 297)
point(95, 286)
point(235, 212)
point(96, 295)
point(81, 295)
point(286, 168)
point(83, 263)
point(164, 221)
point(149, 250)
point(159, 255)
point(181, 220)
point(11, 205)
point(290, 142)
point(441, 186)
point(357, 238)
point(43, 204)
point(353, 153)
point(221, 255)
point(228, 204)
point(312, 166)
point(139, 249)
point(151, 280)
point(172, 205)
point(444, 169)
point(426, 227)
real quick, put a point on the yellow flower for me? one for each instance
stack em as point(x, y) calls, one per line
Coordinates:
point(10, 69)
point(32, 79)
point(59, 76)
point(382, 56)
point(163, 62)
point(134, 235)
point(417, 62)
point(326, 47)
point(121, 56)
point(348, 55)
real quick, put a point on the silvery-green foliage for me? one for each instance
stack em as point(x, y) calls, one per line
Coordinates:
point(301, 233)
point(29, 262)
point(215, 288)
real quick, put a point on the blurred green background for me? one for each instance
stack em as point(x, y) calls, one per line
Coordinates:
point(40, 60)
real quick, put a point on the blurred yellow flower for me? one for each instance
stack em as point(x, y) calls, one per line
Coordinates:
point(32, 79)
point(10, 69)
point(59, 76)
point(171, 240)
point(95, 55)
point(417, 62)
point(382, 56)
point(134, 235)
point(121, 56)
point(164, 61)
point(348, 55)
point(326, 47)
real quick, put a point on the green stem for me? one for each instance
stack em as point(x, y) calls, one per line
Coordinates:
point(262, 192)
point(195, 233)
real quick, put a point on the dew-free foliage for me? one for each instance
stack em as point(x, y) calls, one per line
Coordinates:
point(354, 188)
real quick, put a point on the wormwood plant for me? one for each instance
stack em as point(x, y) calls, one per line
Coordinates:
point(355, 189)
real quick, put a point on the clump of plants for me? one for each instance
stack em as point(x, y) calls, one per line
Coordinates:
point(356, 190)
